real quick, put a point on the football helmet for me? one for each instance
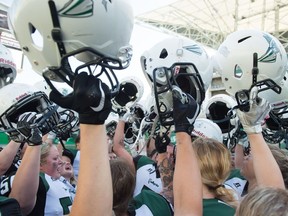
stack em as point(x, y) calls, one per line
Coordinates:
point(221, 110)
point(206, 128)
point(96, 33)
point(249, 56)
point(68, 124)
point(130, 92)
point(69, 119)
point(18, 98)
point(111, 124)
point(176, 61)
point(7, 66)
point(277, 101)
point(133, 124)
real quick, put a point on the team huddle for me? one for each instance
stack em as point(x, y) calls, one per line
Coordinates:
point(181, 152)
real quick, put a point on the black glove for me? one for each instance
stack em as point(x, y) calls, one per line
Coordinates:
point(91, 98)
point(184, 113)
point(28, 128)
point(161, 143)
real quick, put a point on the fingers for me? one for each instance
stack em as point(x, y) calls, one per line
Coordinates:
point(63, 101)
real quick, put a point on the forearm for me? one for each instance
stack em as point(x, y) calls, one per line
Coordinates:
point(7, 155)
point(26, 181)
point(239, 156)
point(165, 167)
point(187, 199)
point(94, 180)
point(266, 169)
point(118, 143)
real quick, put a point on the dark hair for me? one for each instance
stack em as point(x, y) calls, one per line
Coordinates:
point(68, 154)
point(123, 181)
point(77, 139)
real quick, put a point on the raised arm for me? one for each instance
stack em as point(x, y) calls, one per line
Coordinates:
point(187, 199)
point(118, 143)
point(266, 170)
point(26, 180)
point(263, 161)
point(94, 188)
point(7, 155)
point(92, 100)
point(165, 166)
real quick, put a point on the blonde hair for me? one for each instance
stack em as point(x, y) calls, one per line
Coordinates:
point(281, 158)
point(264, 201)
point(215, 166)
point(45, 148)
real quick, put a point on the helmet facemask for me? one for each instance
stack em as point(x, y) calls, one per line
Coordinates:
point(67, 125)
point(183, 75)
point(36, 102)
point(101, 67)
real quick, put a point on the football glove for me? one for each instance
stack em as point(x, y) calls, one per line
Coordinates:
point(91, 98)
point(259, 110)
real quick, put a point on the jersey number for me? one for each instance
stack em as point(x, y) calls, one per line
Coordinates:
point(65, 203)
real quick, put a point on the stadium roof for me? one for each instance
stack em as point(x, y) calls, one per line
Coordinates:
point(209, 21)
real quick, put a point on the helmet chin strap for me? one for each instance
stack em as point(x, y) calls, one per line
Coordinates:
point(56, 31)
point(57, 37)
point(255, 70)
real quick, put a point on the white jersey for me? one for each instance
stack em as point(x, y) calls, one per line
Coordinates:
point(147, 175)
point(53, 196)
point(72, 189)
point(237, 182)
point(76, 164)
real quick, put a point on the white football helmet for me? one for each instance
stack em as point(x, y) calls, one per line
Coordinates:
point(69, 119)
point(18, 98)
point(177, 61)
point(235, 59)
point(219, 109)
point(7, 66)
point(130, 92)
point(208, 129)
point(97, 33)
point(111, 124)
point(277, 101)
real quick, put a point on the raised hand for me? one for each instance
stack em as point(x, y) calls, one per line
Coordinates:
point(259, 109)
point(185, 112)
point(161, 143)
point(28, 127)
point(91, 98)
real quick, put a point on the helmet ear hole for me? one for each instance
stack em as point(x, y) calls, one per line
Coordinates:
point(36, 37)
point(163, 54)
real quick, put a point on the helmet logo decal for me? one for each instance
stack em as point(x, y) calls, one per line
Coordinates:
point(104, 2)
point(271, 53)
point(238, 71)
point(195, 48)
point(77, 8)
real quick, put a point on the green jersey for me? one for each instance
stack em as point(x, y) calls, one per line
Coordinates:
point(149, 203)
point(9, 206)
point(215, 207)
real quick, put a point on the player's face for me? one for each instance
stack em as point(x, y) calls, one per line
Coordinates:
point(53, 163)
point(67, 169)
